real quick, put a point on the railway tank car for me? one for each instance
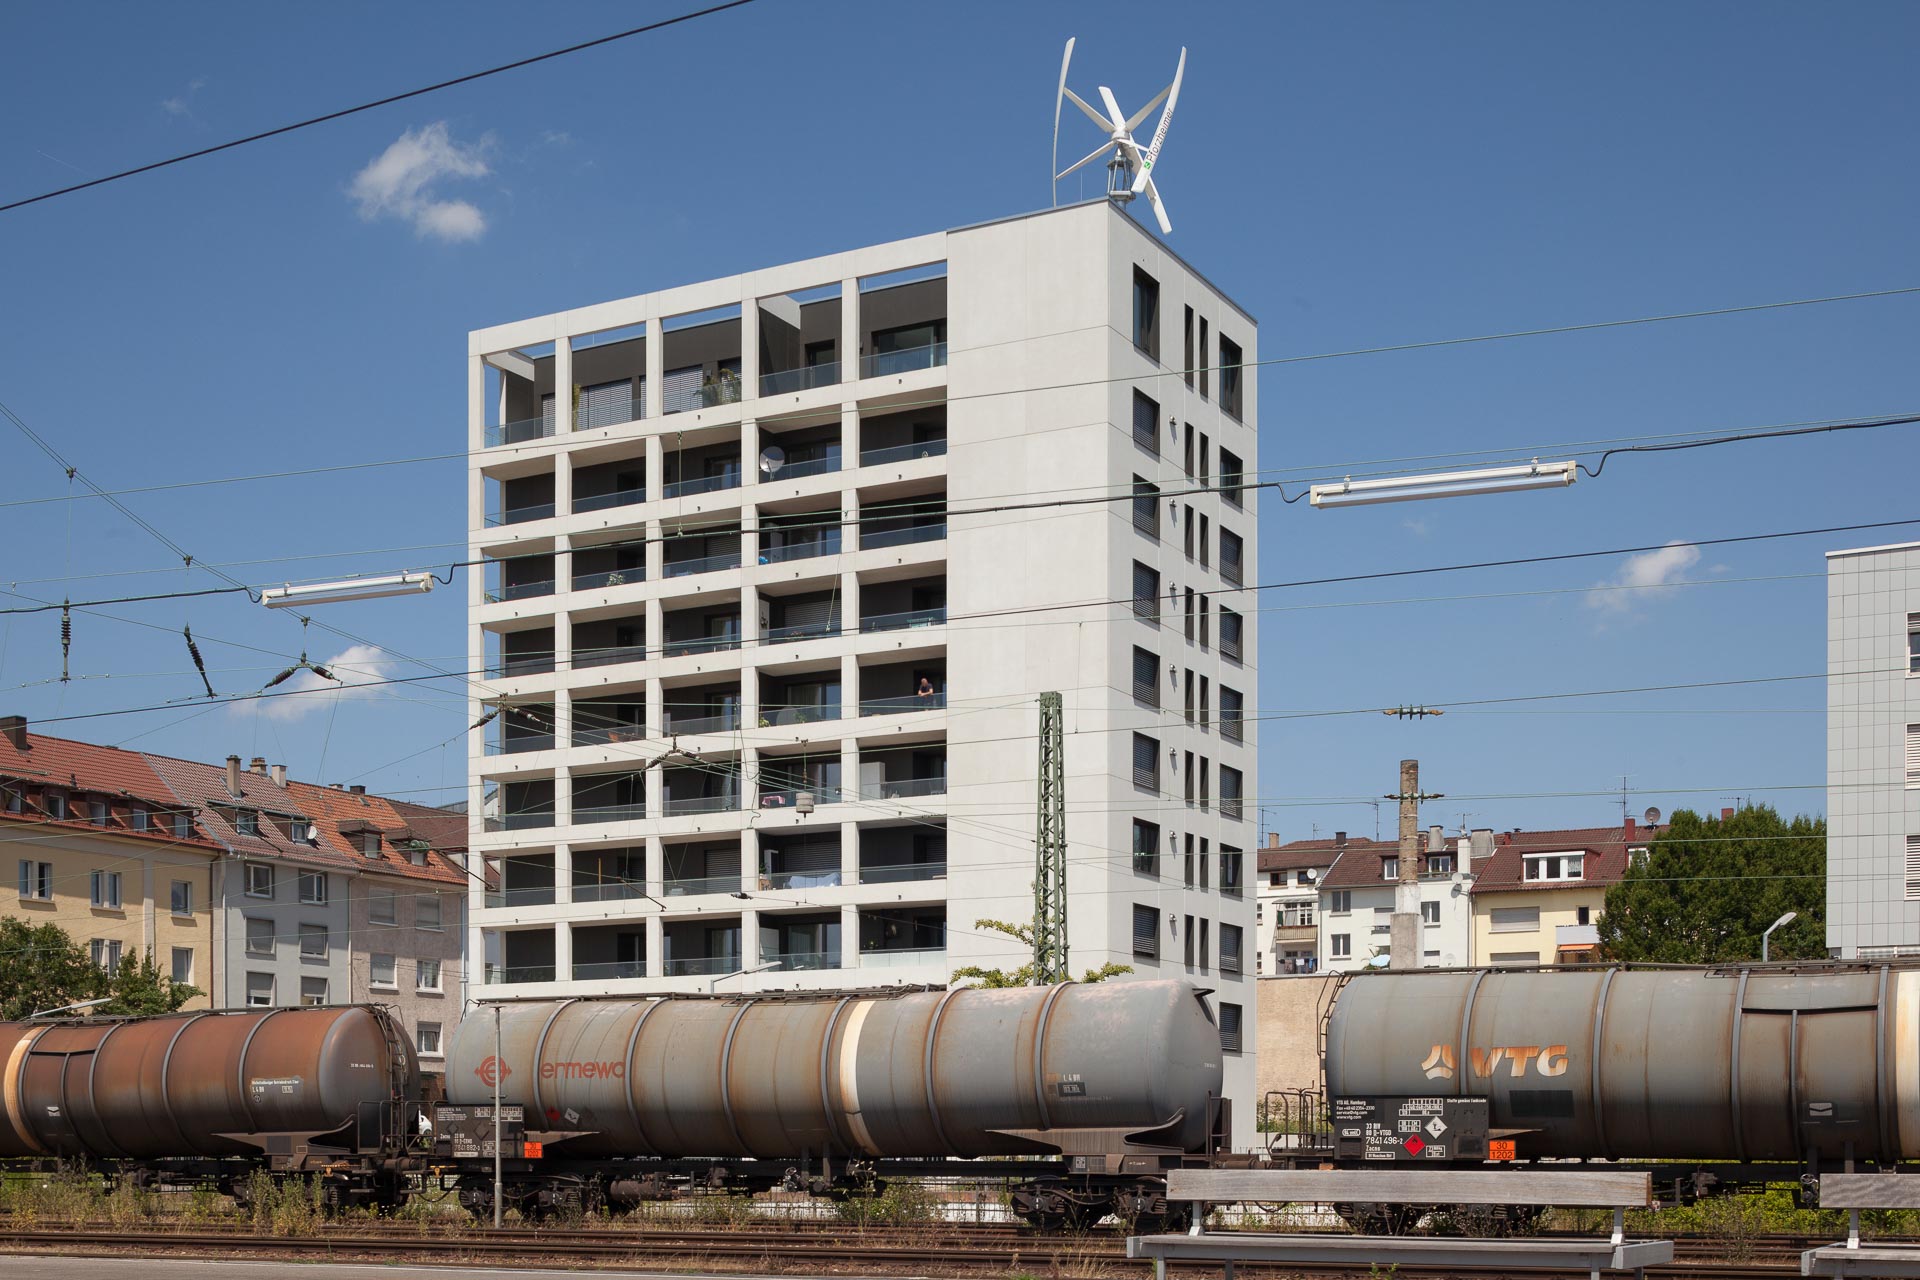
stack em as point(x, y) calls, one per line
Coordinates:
point(1805, 1066)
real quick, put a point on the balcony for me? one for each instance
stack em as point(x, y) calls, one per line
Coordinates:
point(807, 461)
point(903, 452)
point(703, 965)
point(824, 542)
point(804, 631)
point(903, 621)
point(806, 378)
point(504, 975)
point(677, 806)
point(903, 704)
point(773, 714)
point(611, 655)
point(873, 539)
point(606, 970)
point(609, 891)
point(608, 736)
point(727, 479)
point(693, 886)
point(691, 722)
point(885, 364)
point(1576, 935)
point(517, 743)
point(592, 814)
point(803, 961)
point(702, 564)
point(596, 568)
point(520, 515)
point(608, 501)
point(520, 432)
point(772, 797)
point(716, 391)
point(539, 895)
point(903, 958)
point(901, 872)
point(904, 788)
point(529, 820)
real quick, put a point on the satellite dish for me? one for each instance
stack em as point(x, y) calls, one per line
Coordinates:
point(1129, 170)
point(1312, 875)
point(772, 458)
point(1379, 962)
point(1651, 817)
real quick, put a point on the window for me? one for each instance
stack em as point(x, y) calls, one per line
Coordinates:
point(1555, 866)
point(1206, 459)
point(1913, 755)
point(370, 843)
point(1186, 696)
point(1206, 781)
point(1186, 460)
point(98, 813)
point(1146, 422)
point(259, 936)
point(313, 887)
point(1146, 847)
point(1514, 920)
point(1229, 634)
point(106, 889)
point(36, 880)
point(1342, 902)
point(137, 818)
point(1146, 593)
point(1146, 762)
point(1146, 677)
point(426, 975)
point(1202, 861)
point(427, 1040)
point(1186, 777)
point(1229, 1027)
point(1913, 867)
point(1146, 507)
point(16, 802)
point(1205, 540)
point(1146, 931)
point(1430, 913)
point(183, 825)
point(1913, 644)
point(1187, 858)
point(1206, 700)
point(1187, 332)
point(1342, 945)
point(1206, 613)
point(1146, 313)
point(299, 830)
point(1205, 360)
point(1302, 877)
point(1230, 860)
point(1439, 864)
point(105, 953)
point(259, 880)
point(1295, 915)
point(1189, 615)
point(313, 942)
point(182, 969)
point(259, 990)
point(1390, 868)
point(1190, 934)
point(380, 908)
point(1583, 915)
point(380, 971)
point(1232, 479)
point(1232, 715)
point(1637, 856)
point(1230, 797)
point(1230, 936)
point(180, 900)
point(1186, 531)
point(1231, 550)
point(56, 805)
point(1511, 959)
point(246, 822)
point(313, 991)
point(426, 912)
point(1230, 376)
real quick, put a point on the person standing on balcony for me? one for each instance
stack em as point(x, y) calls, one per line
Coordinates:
point(924, 693)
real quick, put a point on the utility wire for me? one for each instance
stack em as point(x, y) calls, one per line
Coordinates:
point(368, 106)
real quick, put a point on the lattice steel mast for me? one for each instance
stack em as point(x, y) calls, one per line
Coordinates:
point(1050, 850)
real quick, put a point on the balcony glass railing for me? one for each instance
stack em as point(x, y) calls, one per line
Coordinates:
point(773, 714)
point(872, 538)
point(520, 515)
point(520, 591)
point(532, 664)
point(728, 479)
point(800, 464)
point(903, 704)
point(904, 788)
point(827, 879)
point(783, 381)
point(609, 891)
point(519, 743)
point(610, 656)
point(703, 965)
point(714, 722)
point(902, 957)
point(587, 814)
point(901, 621)
point(828, 544)
point(883, 364)
point(700, 804)
point(537, 895)
point(519, 432)
point(789, 797)
point(530, 821)
point(804, 631)
point(506, 975)
point(903, 452)
point(702, 564)
point(593, 416)
point(699, 644)
point(608, 735)
point(606, 501)
point(720, 391)
point(794, 961)
point(603, 970)
point(901, 872)
point(693, 886)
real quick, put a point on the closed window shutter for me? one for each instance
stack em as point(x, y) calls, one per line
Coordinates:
point(546, 414)
point(1146, 931)
point(1527, 919)
point(1913, 867)
point(604, 404)
point(1913, 755)
point(682, 389)
point(1230, 1027)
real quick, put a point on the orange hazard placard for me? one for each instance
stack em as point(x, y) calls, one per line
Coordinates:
point(1500, 1149)
point(532, 1150)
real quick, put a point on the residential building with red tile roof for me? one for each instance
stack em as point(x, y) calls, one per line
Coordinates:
point(1287, 904)
point(1538, 895)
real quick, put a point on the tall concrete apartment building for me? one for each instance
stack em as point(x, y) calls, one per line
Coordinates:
point(1873, 752)
point(779, 565)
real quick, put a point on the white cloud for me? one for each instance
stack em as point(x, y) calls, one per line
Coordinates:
point(182, 104)
point(400, 183)
point(354, 669)
point(1645, 576)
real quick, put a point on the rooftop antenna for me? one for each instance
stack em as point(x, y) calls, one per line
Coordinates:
point(1129, 170)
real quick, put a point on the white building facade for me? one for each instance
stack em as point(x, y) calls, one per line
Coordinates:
point(1873, 752)
point(779, 564)
point(1356, 905)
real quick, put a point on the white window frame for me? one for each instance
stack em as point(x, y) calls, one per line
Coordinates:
point(252, 1003)
point(421, 970)
point(310, 931)
point(246, 822)
point(36, 880)
point(180, 891)
point(104, 890)
point(255, 871)
point(1430, 913)
point(389, 983)
point(1390, 867)
point(305, 1001)
point(310, 897)
point(420, 1040)
point(1342, 902)
point(139, 819)
point(378, 898)
point(1340, 946)
point(247, 935)
point(1513, 920)
point(56, 806)
point(173, 970)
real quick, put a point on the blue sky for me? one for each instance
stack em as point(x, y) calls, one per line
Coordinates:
point(1356, 175)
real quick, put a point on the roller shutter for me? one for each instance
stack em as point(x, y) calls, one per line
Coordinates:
point(1913, 867)
point(1913, 755)
point(682, 389)
point(1527, 919)
point(1146, 931)
point(604, 404)
point(1230, 1027)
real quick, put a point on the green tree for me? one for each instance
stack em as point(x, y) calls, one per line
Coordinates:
point(42, 968)
point(1023, 976)
point(139, 988)
point(1709, 887)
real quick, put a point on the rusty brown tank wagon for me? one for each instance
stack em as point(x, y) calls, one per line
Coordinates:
point(213, 1095)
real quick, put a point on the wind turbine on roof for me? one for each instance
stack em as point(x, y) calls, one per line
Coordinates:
point(1129, 170)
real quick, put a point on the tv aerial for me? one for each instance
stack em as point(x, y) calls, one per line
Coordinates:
point(1129, 170)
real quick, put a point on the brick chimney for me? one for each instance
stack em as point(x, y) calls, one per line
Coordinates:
point(279, 775)
point(1339, 839)
point(1436, 839)
point(15, 729)
point(1628, 830)
point(1273, 839)
point(1725, 814)
point(233, 776)
point(258, 765)
point(358, 788)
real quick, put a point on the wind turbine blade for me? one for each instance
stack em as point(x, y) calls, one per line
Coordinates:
point(1133, 122)
point(1094, 154)
point(1057, 99)
point(1159, 209)
point(1160, 131)
point(1119, 122)
point(1092, 115)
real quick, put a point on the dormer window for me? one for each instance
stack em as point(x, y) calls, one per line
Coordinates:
point(246, 822)
point(16, 801)
point(98, 813)
point(1439, 864)
point(1555, 866)
point(370, 843)
point(55, 803)
point(1390, 868)
point(299, 830)
point(137, 817)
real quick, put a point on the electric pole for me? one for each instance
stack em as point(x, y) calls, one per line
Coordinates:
point(1404, 925)
point(1050, 850)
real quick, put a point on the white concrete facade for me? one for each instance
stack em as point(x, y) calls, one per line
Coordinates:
point(665, 714)
point(1873, 752)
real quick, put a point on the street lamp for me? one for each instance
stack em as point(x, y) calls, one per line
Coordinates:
point(69, 1008)
point(1785, 919)
point(1447, 484)
point(740, 973)
point(393, 584)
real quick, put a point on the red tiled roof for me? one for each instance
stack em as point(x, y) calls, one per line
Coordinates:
point(83, 769)
point(1603, 850)
point(341, 813)
point(1291, 857)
